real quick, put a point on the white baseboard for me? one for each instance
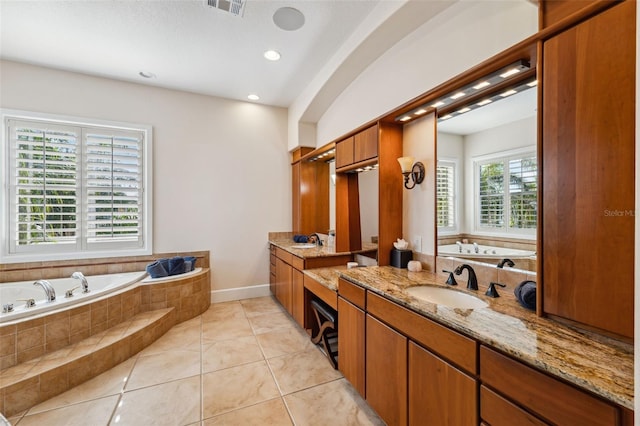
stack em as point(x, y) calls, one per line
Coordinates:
point(239, 293)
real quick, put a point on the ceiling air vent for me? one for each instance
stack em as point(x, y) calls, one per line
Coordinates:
point(235, 7)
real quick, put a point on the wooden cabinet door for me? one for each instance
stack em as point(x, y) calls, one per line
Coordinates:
point(365, 145)
point(386, 372)
point(344, 152)
point(297, 296)
point(497, 411)
point(283, 283)
point(351, 347)
point(588, 191)
point(439, 394)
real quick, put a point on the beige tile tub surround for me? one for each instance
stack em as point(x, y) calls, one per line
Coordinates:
point(12, 272)
point(29, 339)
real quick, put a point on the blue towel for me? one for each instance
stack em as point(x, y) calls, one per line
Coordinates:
point(300, 239)
point(189, 263)
point(525, 292)
point(176, 266)
point(156, 270)
point(165, 264)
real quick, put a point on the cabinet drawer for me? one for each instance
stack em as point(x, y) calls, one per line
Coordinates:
point(351, 292)
point(297, 262)
point(284, 255)
point(448, 344)
point(330, 297)
point(497, 411)
point(552, 399)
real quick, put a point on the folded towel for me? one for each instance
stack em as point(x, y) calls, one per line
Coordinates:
point(156, 270)
point(165, 264)
point(176, 265)
point(300, 239)
point(189, 263)
point(525, 292)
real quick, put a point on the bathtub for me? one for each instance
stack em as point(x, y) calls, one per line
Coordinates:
point(99, 285)
point(484, 252)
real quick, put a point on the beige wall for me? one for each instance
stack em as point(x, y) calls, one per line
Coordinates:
point(221, 168)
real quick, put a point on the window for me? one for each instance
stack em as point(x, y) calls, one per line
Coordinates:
point(507, 194)
point(74, 189)
point(445, 196)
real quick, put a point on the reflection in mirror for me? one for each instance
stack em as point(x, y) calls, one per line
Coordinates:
point(332, 195)
point(487, 182)
point(368, 191)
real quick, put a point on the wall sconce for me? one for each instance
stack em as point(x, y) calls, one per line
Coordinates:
point(411, 170)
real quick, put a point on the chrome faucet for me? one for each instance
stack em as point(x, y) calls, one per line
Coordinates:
point(459, 244)
point(476, 248)
point(472, 282)
point(506, 261)
point(49, 292)
point(83, 281)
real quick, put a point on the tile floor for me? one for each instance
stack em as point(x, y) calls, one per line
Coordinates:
point(239, 363)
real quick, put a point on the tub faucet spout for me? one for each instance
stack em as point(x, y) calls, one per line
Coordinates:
point(49, 292)
point(83, 281)
point(459, 244)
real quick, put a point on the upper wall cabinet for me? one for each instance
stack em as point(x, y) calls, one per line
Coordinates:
point(355, 150)
point(588, 177)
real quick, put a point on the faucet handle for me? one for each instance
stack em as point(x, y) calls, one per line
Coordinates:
point(491, 291)
point(451, 280)
point(69, 293)
point(29, 303)
point(7, 308)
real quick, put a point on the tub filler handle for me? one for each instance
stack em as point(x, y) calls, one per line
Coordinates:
point(29, 303)
point(69, 293)
point(7, 308)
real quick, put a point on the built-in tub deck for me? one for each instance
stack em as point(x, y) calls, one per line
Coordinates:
point(98, 336)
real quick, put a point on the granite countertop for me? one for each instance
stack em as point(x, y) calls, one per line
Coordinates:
point(327, 277)
point(592, 362)
point(286, 243)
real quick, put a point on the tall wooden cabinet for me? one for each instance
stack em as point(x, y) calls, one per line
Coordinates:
point(588, 171)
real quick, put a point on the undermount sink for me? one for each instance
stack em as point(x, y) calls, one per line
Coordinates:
point(303, 246)
point(447, 297)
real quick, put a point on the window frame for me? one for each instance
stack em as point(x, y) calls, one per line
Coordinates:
point(506, 231)
point(80, 250)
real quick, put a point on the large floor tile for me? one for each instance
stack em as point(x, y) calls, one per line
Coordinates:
point(225, 329)
point(185, 336)
point(171, 404)
point(331, 403)
point(230, 353)
point(237, 387)
point(223, 311)
point(261, 305)
point(95, 412)
point(284, 341)
point(271, 321)
point(163, 367)
point(111, 382)
point(302, 370)
point(272, 413)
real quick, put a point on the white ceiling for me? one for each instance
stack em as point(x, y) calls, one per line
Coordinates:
point(185, 43)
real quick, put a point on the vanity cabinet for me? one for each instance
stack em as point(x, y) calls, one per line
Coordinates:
point(418, 371)
point(287, 284)
point(588, 178)
point(351, 334)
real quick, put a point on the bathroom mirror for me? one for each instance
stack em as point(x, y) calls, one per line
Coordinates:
point(486, 207)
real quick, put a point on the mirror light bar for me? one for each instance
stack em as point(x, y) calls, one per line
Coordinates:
point(498, 76)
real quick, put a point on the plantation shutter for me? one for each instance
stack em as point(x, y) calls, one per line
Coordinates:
point(491, 195)
point(445, 185)
point(523, 193)
point(113, 186)
point(44, 198)
point(74, 188)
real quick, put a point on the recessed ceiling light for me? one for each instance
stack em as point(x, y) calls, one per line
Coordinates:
point(437, 104)
point(508, 93)
point(463, 110)
point(457, 95)
point(406, 118)
point(272, 55)
point(288, 19)
point(481, 85)
point(485, 102)
point(420, 111)
point(510, 72)
point(253, 97)
point(146, 74)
